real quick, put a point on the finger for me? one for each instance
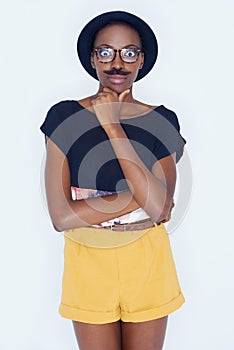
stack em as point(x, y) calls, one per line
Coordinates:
point(106, 89)
point(165, 220)
point(93, 102)
point(123, 95)
point(96, 99)
point(102, 93)
point(109, 91)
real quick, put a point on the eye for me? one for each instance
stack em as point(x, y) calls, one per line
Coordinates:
point(105, 52)
point(130, 52)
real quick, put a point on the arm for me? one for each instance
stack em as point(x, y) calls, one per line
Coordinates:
point(66, 213)
point(153, 190)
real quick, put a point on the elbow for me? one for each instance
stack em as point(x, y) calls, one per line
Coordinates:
point(66, 221)
point(60, 222)
point(58, 225)
point(61, 217)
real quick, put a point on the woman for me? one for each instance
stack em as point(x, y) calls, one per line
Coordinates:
point(110, 178)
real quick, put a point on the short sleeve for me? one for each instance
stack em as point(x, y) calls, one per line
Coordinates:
point(51, 121)
point(169, 138)
point(55, 122)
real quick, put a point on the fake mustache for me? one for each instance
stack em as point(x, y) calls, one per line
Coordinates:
point(116, 72)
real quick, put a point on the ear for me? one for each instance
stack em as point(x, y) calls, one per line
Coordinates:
point(92, 60)
point(142, 60)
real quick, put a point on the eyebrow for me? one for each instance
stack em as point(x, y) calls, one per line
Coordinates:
point(124, 47)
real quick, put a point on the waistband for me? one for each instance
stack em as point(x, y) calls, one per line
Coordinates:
point(132, 226)
point(106, 238)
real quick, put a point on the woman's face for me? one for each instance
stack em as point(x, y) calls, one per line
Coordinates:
point(117, 74)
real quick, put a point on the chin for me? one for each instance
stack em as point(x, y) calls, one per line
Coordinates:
point(118, 88)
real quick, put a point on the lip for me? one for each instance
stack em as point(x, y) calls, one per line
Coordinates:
point(117, 79)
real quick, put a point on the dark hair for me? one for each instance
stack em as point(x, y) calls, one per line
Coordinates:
point(122, 23)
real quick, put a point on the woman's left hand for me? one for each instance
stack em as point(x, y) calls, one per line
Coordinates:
point(107, 106)
point(169, 214)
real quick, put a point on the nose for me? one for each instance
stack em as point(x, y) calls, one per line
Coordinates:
point(117, 62)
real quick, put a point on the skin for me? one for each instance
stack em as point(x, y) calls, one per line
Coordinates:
point(108, 107)
point(159, 183)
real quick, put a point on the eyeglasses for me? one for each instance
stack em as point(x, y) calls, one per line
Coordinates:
point(108, 54)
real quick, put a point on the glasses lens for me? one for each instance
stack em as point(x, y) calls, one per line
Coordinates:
point(129, 55)
point(105, 54)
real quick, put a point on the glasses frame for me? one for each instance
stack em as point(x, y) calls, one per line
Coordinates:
point(120, 51)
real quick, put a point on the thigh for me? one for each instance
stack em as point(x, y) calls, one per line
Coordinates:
point(148, 335)
point(98, 336)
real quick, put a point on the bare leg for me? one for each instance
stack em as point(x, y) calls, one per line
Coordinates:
point(98, 336)
point(148, 335)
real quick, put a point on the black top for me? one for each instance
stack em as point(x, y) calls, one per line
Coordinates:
point(92, 161)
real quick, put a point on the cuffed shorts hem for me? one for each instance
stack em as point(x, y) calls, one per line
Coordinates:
point(94, 317)
point(157, 312)
point(87, 316)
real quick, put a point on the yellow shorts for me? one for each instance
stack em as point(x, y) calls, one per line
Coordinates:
point(135, 282)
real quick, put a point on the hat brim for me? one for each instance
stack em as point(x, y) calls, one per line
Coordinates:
point(149, 41)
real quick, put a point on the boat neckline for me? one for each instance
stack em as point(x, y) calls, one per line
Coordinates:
point(138, 116)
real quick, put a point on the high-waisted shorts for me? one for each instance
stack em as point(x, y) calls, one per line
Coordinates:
point(135, 282)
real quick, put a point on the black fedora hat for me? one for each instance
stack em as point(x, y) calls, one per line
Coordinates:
point(149, 41)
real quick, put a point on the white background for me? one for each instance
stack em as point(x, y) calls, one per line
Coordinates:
point(194, 77)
